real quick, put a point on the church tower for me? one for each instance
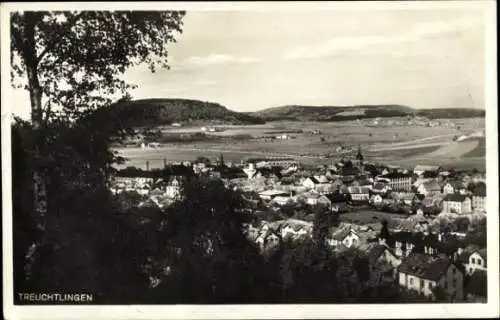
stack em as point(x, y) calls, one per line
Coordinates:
point(359, 156)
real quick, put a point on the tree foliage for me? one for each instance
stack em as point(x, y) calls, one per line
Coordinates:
point(73, 59)
point(203, 234)
point(87, 245)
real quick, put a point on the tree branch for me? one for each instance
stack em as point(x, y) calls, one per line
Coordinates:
point(52, 45)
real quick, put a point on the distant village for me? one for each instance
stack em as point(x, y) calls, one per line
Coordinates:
point(433, 216)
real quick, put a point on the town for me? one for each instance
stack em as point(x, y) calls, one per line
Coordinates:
point(420, 228)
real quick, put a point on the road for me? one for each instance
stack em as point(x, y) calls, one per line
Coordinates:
point(413, 143)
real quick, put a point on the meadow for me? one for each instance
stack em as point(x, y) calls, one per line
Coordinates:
point(319, 142)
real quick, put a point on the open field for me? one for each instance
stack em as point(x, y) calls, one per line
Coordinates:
point(403, 145)
point(366, 216)
point(479, 151)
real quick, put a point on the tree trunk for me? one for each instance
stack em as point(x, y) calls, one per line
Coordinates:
point(30, 59)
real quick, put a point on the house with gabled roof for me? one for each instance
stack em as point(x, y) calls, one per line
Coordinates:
point(310, 182)
point(473, 259)
point(423, 274)
point(453, 186)
point(268, 238)
point(318, 183)
point(346, 237)
point(457, 203)
point(294, 230)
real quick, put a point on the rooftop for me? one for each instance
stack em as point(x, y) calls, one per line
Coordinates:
point(424, 266)
point(395, 175)
point(455, 197)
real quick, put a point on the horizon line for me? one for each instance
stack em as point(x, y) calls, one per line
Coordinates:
point(310, 105)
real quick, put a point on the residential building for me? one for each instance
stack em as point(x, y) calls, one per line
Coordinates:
point(432, 201)
point(429, 188)
point(479, 197)
point(321, 178)
point(457, 203)
point(268, 238)
point(318, 183)
point(376, 199)
point(406, 198)
point(173, 187)
point(271, 194)
point(403, 243)
point(347, 237)
point(315, 198)
point(359, 194)
point(423, 273)
point(294, 230)
point(479, 203)
point(310, 183)
point(473, 259)
point(452, 187)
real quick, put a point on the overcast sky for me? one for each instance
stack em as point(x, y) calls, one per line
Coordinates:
point(254, 60)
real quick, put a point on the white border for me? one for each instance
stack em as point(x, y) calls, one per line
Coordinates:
point(491, 309)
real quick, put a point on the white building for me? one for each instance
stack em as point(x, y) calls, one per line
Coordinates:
point(457, 203)
point(473, 260)
point(347, 237)
point(423, 273)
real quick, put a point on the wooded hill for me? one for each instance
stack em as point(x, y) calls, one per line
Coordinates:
point(155, 112)
point(341, 113)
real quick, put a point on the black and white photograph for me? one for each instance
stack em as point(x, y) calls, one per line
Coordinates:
point(284, 156)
